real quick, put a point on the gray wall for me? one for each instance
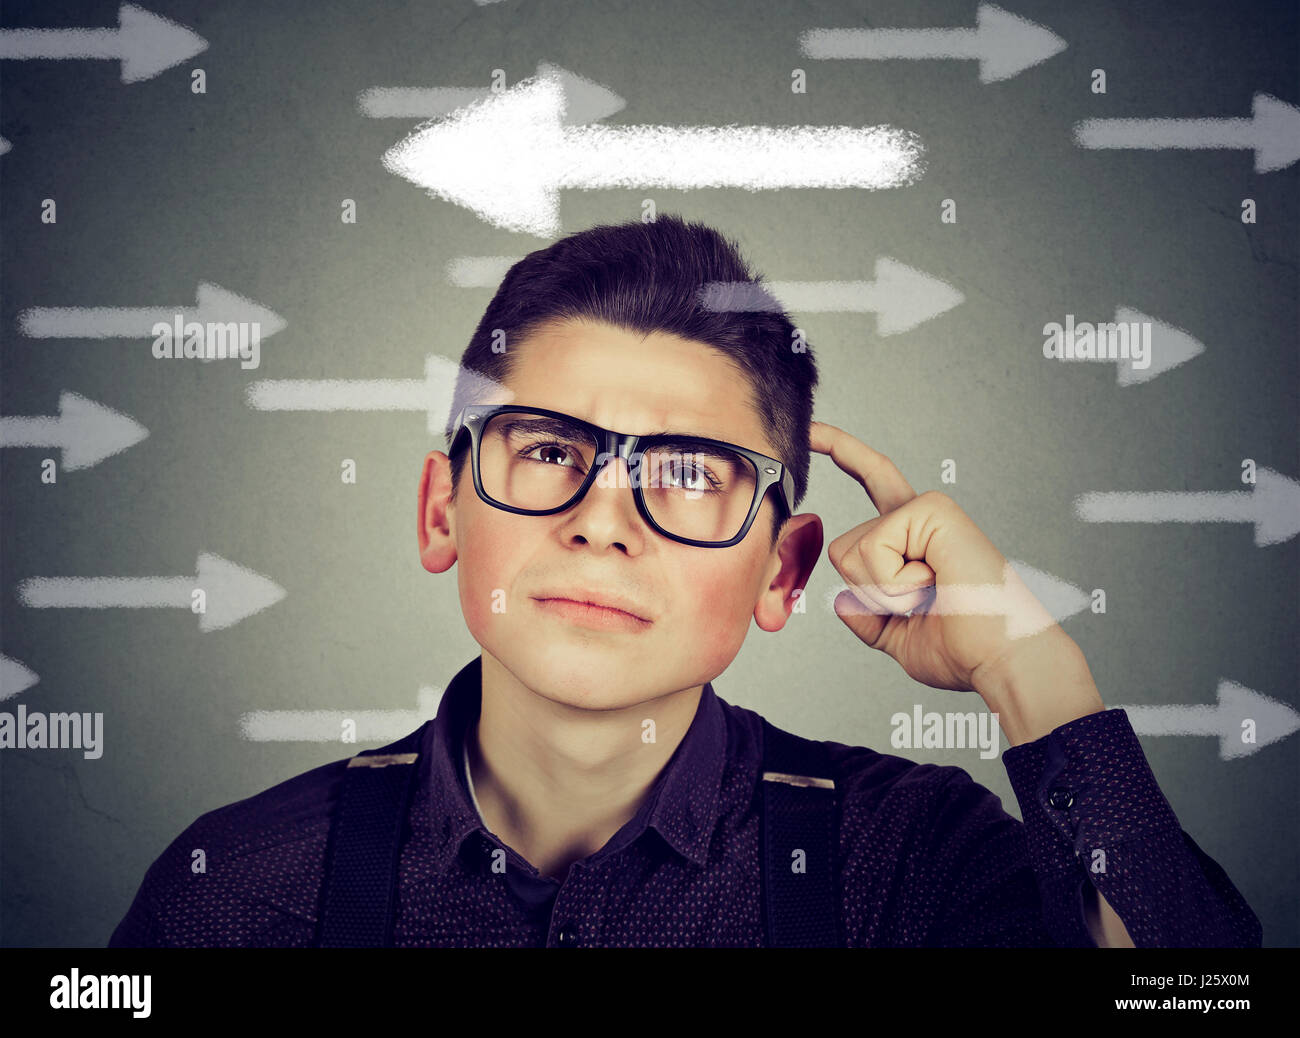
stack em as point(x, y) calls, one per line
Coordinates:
point(159, 189)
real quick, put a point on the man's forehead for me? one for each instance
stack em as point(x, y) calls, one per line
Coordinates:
point(637, 416)
point(689, 390)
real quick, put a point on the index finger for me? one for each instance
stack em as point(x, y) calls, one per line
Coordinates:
point(879, 476)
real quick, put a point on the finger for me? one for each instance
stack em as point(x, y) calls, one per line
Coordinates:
point(879, 476)
point(867, 625)
point(876, 601)
point(873, 558)
point(893, 554)
point(894, 587)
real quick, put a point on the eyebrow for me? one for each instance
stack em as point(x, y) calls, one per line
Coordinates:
point(544, 423)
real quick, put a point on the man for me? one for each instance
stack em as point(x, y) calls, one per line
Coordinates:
point(582, 782)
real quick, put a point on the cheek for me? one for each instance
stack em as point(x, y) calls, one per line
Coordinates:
point(717, 605)
point(483, 577)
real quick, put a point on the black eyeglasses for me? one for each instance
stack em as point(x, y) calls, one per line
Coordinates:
point(691, 489)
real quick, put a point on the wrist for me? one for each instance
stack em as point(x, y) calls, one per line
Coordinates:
point(1039, 685)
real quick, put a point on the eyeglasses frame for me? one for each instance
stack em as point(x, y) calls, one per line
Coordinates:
point(770, 472)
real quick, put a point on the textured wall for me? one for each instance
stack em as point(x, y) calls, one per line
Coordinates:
point(159, 189)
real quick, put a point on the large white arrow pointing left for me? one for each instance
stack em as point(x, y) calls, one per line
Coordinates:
point(507, 157)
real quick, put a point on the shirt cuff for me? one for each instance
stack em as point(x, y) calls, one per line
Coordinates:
point(1085, 787)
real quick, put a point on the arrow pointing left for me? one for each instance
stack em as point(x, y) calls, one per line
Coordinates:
point(86, 431)
point(507, 157)
point(146, 43)
point(232, 593)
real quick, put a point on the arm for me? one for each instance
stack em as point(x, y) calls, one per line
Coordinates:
point(928, 588)
point(1092, 806)
point(138, 928)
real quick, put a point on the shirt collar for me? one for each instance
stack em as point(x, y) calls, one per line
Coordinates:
point(683, 805)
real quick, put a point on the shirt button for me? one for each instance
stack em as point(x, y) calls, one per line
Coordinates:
point(1061, 799)
point(567, 935)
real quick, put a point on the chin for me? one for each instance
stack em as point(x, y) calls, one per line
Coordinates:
point(594, 676)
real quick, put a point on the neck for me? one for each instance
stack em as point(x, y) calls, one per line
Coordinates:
point(555, 782)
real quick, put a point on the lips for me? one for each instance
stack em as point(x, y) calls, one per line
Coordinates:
point(606, 599)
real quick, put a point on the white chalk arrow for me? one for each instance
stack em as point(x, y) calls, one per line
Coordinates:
point(327, 725)
point(1169, 347)
point(5, 146)
point(214, 305)
point(901, 297)
point(1273, 506)
point(1273, 131)
point(1272, 721)
point(232, 592)
point(431, 395)
point(146, 43)
point(584, 101)
point(86, 432)
point(1028, 598)
point(507, 157)
point(14, 678)
point(1003, 43)
point(479, 271)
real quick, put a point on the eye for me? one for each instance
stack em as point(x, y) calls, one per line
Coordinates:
point(528, 452)
point(710, 481)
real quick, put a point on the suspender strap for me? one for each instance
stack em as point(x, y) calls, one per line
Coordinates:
point(800, 812)
point(801, 903)
point(359, 895)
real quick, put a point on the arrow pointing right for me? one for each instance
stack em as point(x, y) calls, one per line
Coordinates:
point(1272, 721)
point(147, 43)
point(326, 725)
point(901, 296)
point(1003, 43)
point(232, 592)
point(215, 305)
point(14, 678)
point(584, 101)
point(1273, 506)
point(431, 394)
point(1273, 131)
point(86, 431)
point(1028, 599)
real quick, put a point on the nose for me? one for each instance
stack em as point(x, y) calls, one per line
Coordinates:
point(607, 513)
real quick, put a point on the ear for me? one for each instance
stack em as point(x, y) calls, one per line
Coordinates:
point(794, 555)
point(436, 529)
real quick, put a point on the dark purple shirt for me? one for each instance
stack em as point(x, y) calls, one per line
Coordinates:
point(926, 855)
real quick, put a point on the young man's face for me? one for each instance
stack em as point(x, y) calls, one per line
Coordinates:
point(699, 600)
